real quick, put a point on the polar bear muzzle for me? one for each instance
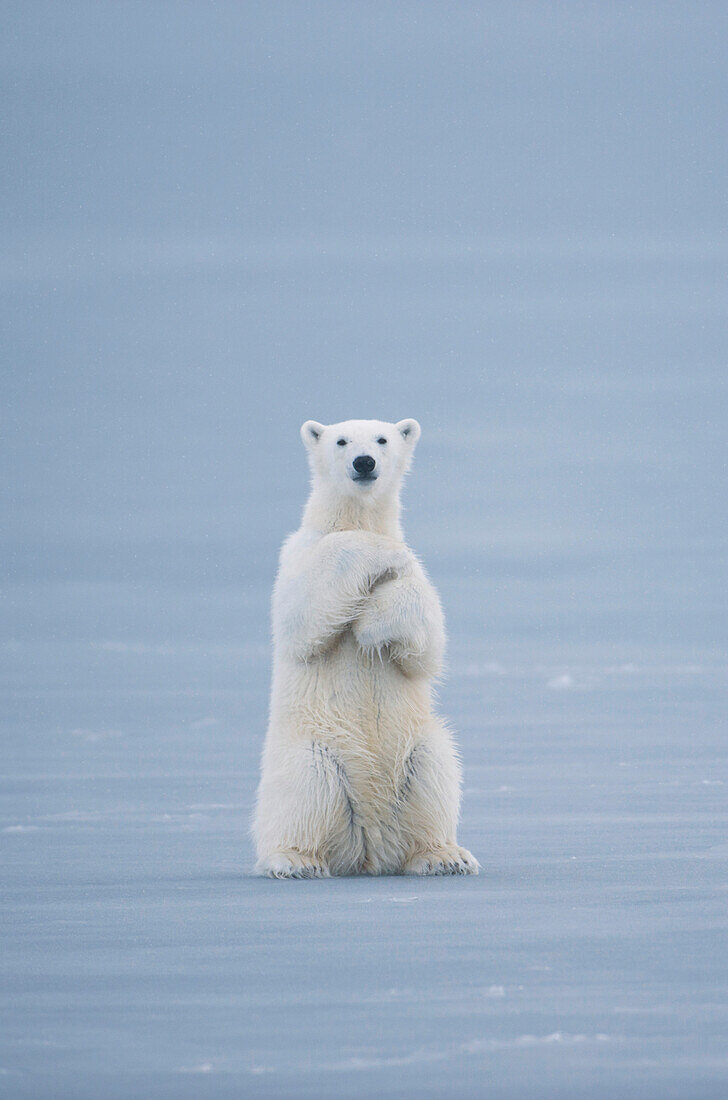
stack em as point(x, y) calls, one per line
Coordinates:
point(364, 468)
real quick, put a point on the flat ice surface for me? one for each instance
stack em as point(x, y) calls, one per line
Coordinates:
point(589, 958)
point(506, 220)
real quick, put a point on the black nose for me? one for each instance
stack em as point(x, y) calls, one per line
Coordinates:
point(364, 464)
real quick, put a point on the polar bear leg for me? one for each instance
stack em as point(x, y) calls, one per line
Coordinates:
point(306, 825)
point(429, 801)
point(404, 613)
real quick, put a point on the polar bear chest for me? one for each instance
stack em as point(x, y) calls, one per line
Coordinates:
point(353, 700)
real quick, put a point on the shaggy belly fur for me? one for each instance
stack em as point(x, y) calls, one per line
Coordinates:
point(356, 720)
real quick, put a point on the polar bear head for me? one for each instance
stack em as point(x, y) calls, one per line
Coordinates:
point(361, 459)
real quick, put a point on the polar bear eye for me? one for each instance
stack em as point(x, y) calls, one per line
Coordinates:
point(340, 442)
point(381, 440)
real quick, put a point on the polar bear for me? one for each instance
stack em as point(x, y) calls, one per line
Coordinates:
point(359, 775)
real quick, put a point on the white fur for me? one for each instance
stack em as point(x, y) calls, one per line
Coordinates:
point(358, 773)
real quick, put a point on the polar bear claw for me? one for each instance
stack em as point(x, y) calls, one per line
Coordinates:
point(456, 861)
point(293, 865)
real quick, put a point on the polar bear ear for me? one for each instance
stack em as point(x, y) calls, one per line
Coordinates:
point(409, 430)
point(311, 432)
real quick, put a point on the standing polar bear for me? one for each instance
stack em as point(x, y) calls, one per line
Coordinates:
point(359, 776)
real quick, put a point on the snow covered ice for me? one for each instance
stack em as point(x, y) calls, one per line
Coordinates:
point(218, 221)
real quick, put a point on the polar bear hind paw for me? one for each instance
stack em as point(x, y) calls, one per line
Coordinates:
point(290, 864)
point(452, 860)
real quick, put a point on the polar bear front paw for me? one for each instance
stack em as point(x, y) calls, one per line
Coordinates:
point(290, 864)
point(452, 860)
point(385, 618)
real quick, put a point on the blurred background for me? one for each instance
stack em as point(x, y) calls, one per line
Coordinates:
point(221, 219)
